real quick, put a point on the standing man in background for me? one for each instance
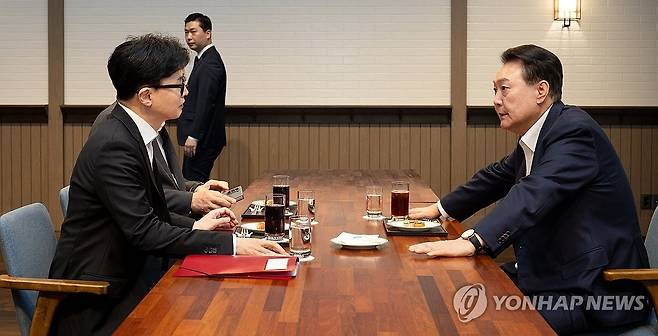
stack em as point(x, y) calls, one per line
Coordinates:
point(201, 125)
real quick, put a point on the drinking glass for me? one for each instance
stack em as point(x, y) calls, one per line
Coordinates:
point(281, 185)
point(306, 204)
point(300, 236)
point(274, 216)
point(374, 201)
point(400, 199)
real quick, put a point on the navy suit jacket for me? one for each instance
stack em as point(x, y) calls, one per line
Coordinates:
point(203, 113)
point(117, 221)
point(572, 217)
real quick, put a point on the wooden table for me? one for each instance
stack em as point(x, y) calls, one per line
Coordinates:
point(342, 292)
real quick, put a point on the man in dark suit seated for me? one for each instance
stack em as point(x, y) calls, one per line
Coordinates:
point(564, 201)
point(183, 196)
point(118, 217)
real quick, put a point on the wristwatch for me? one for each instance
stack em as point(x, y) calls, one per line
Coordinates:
point(471, 237)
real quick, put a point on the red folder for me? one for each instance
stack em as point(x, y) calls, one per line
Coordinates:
point(204, 265)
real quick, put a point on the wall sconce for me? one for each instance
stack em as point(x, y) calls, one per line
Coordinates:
point(566, 10)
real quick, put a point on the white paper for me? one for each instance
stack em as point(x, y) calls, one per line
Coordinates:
point(276, 264)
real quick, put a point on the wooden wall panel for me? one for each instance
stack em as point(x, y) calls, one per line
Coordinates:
point(637, 147)
point(254, 148)
point(23, 165)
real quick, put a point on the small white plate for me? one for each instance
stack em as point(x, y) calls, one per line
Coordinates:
point(378, 218)
point(254, 226)
point(404, 225)
point(365, 244)
point(262, 203)
point(284, 240)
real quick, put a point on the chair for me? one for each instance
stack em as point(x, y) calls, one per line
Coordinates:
point(64, 199)
point(647, 276)
point(27, 243)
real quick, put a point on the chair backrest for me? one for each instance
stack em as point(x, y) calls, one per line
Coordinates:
point(651, 241)
point(64, 199)
point(27, 243)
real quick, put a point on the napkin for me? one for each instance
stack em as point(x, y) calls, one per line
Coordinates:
point(347, 238)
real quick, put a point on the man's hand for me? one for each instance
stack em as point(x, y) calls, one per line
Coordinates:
point(190, 147)
point(251, 246)
point(215, 185)
point(431, 211)
point(204, 200)
point(445, 248)
point(218, 219)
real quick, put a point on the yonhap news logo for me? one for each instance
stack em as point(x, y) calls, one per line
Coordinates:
point(470, 302)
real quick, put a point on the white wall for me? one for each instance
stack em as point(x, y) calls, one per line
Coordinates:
point(610, 58)
point(23, 52)
point(281, 52)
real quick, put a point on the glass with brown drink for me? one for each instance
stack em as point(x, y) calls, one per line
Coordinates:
point(281, 186)
point(274, 216)
point(400, 199)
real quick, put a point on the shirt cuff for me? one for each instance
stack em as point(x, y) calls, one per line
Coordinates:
point(235, 242)
point(444, 215)
point(189, 137)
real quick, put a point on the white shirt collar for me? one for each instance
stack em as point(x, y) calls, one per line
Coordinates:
point(532, 135)
point(204, 50)
point(145, 130)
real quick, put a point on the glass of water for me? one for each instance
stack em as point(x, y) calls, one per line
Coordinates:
point(306, 204)
point(300, 236)
point(374, 201)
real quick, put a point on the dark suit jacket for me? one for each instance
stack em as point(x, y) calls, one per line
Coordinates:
point(117, 219)
point(569, 219)
point(203, 113)
point(178, 192)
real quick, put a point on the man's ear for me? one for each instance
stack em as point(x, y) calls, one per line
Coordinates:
point(144, 96)
point(543, 89)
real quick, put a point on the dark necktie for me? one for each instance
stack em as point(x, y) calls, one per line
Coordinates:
point(157, 156)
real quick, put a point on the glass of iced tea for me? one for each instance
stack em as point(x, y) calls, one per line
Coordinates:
point(275, 216)
point(400, 199)
point(281, 186)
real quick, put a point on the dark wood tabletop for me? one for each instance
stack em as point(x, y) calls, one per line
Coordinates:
point(342, 292)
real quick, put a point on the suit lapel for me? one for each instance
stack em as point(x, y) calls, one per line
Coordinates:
point(553, 115)
point(125, 119)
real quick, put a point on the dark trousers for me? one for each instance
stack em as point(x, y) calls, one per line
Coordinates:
point(198, 167)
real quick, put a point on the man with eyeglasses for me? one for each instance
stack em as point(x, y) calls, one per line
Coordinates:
point(183, 196)
point(118, 219)
point(201, 125)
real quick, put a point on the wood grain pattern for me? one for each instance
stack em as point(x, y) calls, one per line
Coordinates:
point(342, 292)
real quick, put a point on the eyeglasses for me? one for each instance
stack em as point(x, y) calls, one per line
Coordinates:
point(165, 86)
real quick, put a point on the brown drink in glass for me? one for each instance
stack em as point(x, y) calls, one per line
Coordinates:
point(400, 199)
point(274, 217)
point(281, 186)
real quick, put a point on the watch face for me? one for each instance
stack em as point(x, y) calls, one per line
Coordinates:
point(467, 233)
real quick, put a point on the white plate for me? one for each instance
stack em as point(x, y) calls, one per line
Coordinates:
point(253, 226)
point(284, 240)
point(366, 244)
point(400, 224)
point(262, 203)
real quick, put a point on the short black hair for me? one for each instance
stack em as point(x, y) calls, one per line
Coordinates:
point(204, 21)
point(145, 60)
point(538, 64)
